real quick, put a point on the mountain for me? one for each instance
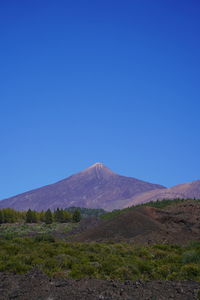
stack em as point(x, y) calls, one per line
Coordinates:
point(95, 187)
point(186, 190)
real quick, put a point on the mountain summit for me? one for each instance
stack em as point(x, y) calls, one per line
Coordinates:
point(99, 169)
point(94, 187)
point(97, 165)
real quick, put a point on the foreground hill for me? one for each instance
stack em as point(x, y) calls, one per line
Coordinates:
point(177, 223)
point(183, 191)
point(95, 187)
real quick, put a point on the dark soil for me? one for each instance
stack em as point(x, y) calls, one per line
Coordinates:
point(37, 286)
point(147, 225)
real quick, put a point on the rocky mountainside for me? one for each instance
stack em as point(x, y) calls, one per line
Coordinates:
point(184, 191)
point(95, 187)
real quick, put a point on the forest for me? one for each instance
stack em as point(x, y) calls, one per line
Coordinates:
point(8, 215)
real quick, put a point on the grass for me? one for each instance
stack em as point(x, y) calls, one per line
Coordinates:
point(105, 261)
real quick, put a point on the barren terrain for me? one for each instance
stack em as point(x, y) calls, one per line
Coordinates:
point(37, 286)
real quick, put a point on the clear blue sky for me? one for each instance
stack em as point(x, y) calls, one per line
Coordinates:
point(110, 81)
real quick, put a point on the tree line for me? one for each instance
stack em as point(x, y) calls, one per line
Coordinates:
point(8, 215)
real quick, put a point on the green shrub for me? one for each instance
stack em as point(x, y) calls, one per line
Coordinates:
point(16, 266)
point(98, 260)
point(125, 273)
point(192, 256)
point(190, 272)
point(44, 237)
point(145, 266)
point(164, 271)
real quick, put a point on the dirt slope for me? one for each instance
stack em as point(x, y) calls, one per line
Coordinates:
point(146, 225)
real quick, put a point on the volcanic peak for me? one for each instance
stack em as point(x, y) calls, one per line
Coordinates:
point(94, 187)
point(97, 165)
point(99, 169)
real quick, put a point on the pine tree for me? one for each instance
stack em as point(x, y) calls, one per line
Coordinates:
point(48, 218)
point(34, 216)
point(10, 215)
point(61, 216)
point(31, 216)
point(41, 216)
point(56, 215)
point(76, 216)
point(67, 216)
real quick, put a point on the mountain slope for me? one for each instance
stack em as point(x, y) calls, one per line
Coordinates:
point(178, 223)
point(95, 187)
point(186, 190)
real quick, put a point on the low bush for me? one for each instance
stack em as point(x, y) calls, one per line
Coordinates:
point(98, 260)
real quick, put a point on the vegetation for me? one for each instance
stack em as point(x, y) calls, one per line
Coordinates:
point(106, 261)
point(48, 218)
point(8, 215)
point(31, 216)
point(34, 240)
point(62, 216)
point(9, 231)
point(76, 216)
point(87, 212)
point(157, 204)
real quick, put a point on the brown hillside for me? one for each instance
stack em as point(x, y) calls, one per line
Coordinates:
point(176, 224)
